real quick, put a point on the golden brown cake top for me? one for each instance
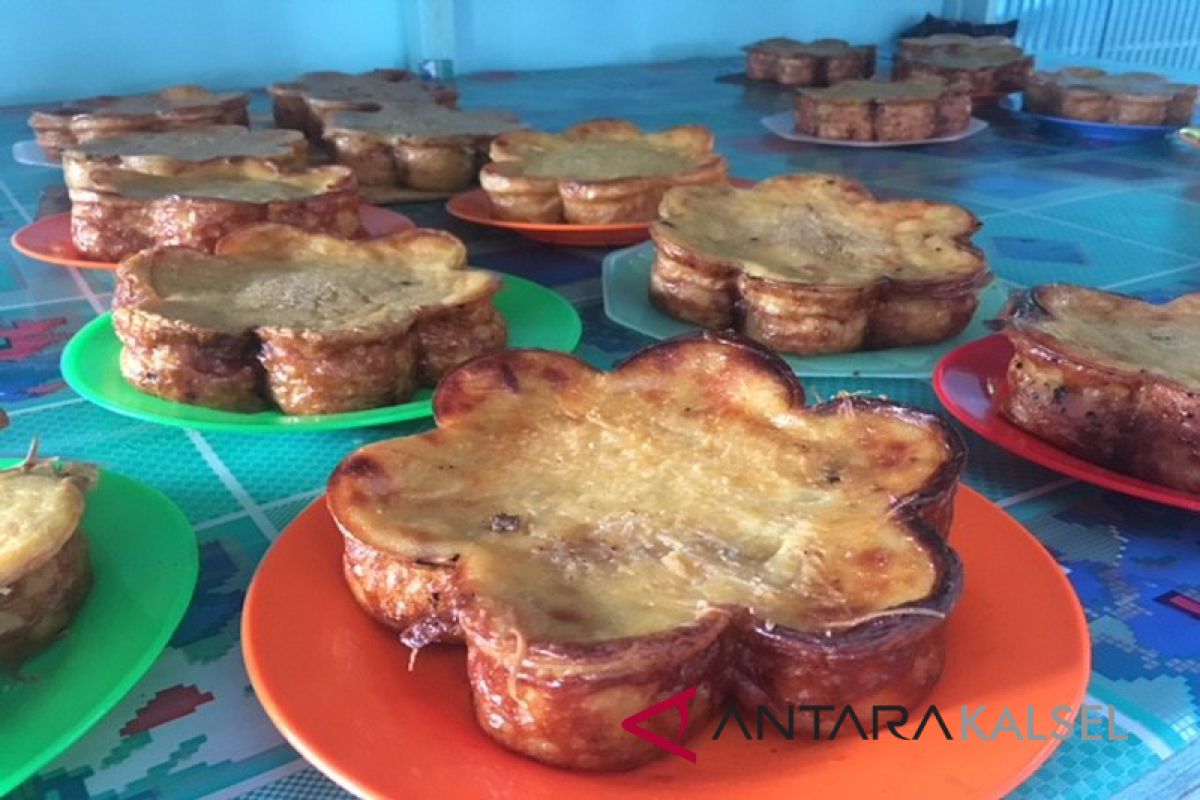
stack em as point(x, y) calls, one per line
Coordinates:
point(974, 58)
point(783, 46)
point(277, 276)
point(194, 144)
point(422, 122)
point(820, 229)
point(1145, 84)
point(592, 506)
point(169, 100)
point(1121, 333)
point(858, 91)
point(41, 503)
point(246, 182)
point(954, 41)
point(382, 86)
point(603, 150)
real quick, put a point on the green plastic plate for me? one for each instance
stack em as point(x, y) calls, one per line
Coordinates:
point(627, 302)
point(537, 317)
point(144, 562)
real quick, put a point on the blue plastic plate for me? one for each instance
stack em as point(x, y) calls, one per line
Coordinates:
point(1107, 131)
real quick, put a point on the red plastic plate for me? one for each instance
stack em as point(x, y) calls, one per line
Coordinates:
point(963, 381)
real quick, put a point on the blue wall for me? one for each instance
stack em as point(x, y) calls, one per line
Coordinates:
point(536, 34)
point(59, 49)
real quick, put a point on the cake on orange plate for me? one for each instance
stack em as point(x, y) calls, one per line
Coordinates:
point(122, 211)
point(599, 172)
point(795, 555)
point(425, 147)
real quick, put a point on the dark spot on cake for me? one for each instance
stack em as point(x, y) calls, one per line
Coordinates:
point(1060, 393)
point(360, 465)
point(504, 523)
point(555, 376)
point(876, 558)
point(893, 454)
point(566, 615)
point(509, 378)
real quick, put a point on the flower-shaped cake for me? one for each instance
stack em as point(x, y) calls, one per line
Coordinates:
point(605, 171)
point(988, 64)
point(602, 541)
point(310, 323)
point(304, 103)
point(823, 62)
point(1111, 378)
point(120, 211)
point(1126, 98)
point(908, 110)
point(425, 147)
point(173, 108)
point(171, 151)
point(814, 264)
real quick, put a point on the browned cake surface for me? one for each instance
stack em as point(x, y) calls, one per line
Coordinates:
point(782, 45)
point(1111, 378)
point(45, 574)
point(553, 501)
point(173, 108)
point(312, 323)
point(305, 102)
point(602, 171)
point(124, 210)
point(953, 42)
point(425, 147)
point(813, 263)
point(989, 65)
point(381, 86)
point(818, 63)
point(901, 110)
point(167, 152)
point(423, 123)
point(1131, 98)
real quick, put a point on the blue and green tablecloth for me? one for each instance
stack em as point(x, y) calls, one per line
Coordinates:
point(1124, 217)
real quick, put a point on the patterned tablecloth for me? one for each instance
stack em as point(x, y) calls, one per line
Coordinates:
point(1124, 217)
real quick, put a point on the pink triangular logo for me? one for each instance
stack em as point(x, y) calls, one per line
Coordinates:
point(682, 702)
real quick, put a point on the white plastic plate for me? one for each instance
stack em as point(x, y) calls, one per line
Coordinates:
point(784, 126)
point(27, 152)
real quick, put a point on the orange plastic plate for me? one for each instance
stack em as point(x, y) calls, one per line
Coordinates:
point(474, 206)
point(49, 239)
point(338, 686)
